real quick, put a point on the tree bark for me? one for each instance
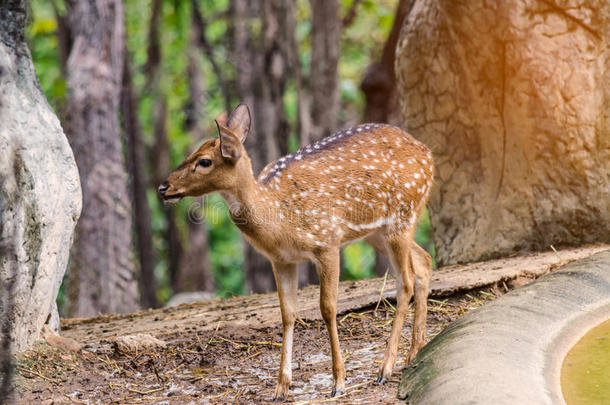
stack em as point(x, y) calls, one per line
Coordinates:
point(263, 64)
point(319, 102)
point(153, 50)
point(199, 39)
point(161, 166)
point(160, 154)
point(379, 82)
point(102, 272)
point(195, 270)
point(138, 159)
point(382, 265)
point(324, 77)
point(513, 100)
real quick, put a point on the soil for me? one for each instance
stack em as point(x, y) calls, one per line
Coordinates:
point(227, 351)
point(231, 364)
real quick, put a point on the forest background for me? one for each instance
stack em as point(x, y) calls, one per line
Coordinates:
point(306, 68)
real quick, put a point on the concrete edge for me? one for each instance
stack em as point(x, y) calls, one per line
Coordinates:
point(572, 332)
point(511, 350)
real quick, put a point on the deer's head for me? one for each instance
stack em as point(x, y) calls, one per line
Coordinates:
point(219, 164)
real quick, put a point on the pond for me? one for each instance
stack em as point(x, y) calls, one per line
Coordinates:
point(585, 373)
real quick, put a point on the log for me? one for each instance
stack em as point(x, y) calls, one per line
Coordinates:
point(262, 310)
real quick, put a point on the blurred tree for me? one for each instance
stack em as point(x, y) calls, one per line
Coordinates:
point(379, 87)
point(194, 270)
point(324, 75)
point(319, 98)
point(160, 157)
point(379, 81)
point(159, 42)
point(140, 182)
point(263, 62)
point(161, 152)
point(198, 38)
point(102, 275)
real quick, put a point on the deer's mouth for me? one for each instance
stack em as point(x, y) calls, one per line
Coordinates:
point(172, 198)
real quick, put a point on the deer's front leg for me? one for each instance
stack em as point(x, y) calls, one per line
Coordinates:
point(286, 280)
point(328, 272)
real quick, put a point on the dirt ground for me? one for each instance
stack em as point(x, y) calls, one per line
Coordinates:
point(227, 351)
point(232, 365)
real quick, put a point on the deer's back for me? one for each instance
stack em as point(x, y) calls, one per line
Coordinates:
point(351, 183)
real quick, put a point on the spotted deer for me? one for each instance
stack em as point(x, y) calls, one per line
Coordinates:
point(370, 182)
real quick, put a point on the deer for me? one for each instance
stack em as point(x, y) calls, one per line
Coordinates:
point(369, 183)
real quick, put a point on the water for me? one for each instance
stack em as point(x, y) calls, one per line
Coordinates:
point(585, 373)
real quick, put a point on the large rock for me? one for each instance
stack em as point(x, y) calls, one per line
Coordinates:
point(40, 195)
point(513, 99)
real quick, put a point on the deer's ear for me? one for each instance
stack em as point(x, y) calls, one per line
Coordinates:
point(239, 121)
point(230, 144)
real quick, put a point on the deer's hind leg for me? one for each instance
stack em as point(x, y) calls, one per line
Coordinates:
point(399, 252)
point(421, 263)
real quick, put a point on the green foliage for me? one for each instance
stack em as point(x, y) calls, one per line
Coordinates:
point(227, 252)
point(423, 235)
point(43, 43)
point(362, 43)
point(358, 261)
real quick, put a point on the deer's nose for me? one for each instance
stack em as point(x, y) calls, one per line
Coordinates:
point(163, 188)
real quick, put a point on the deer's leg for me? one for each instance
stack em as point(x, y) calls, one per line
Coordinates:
point(378, 241)
point(399, 251)
point(328, 272)
point(286, 280)
point(421, 262)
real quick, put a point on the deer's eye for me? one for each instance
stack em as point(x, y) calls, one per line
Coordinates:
point(205, 163)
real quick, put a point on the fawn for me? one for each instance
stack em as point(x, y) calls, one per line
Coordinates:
point(369, 182)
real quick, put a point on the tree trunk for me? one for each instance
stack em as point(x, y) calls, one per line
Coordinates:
point(40, 195)
point(102, 273)
point(513, 100)
point(195, 270)
point(382, 265)
point(140, 181)
point(379, 82)
point(161, 166)
point(153, 50)
point(263, 65)
point(199, 39)
point(160, 155)
point(324, 77)
point(319, 93)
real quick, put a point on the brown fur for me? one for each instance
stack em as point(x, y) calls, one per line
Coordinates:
point(370, 182)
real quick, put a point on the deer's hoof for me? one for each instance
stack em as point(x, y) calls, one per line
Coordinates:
point(281, 392)
point(381, 379)
point(336, 392)
point(411, 356)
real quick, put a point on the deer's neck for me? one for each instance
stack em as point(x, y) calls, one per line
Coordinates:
point(246, 202)
point(241, 199)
